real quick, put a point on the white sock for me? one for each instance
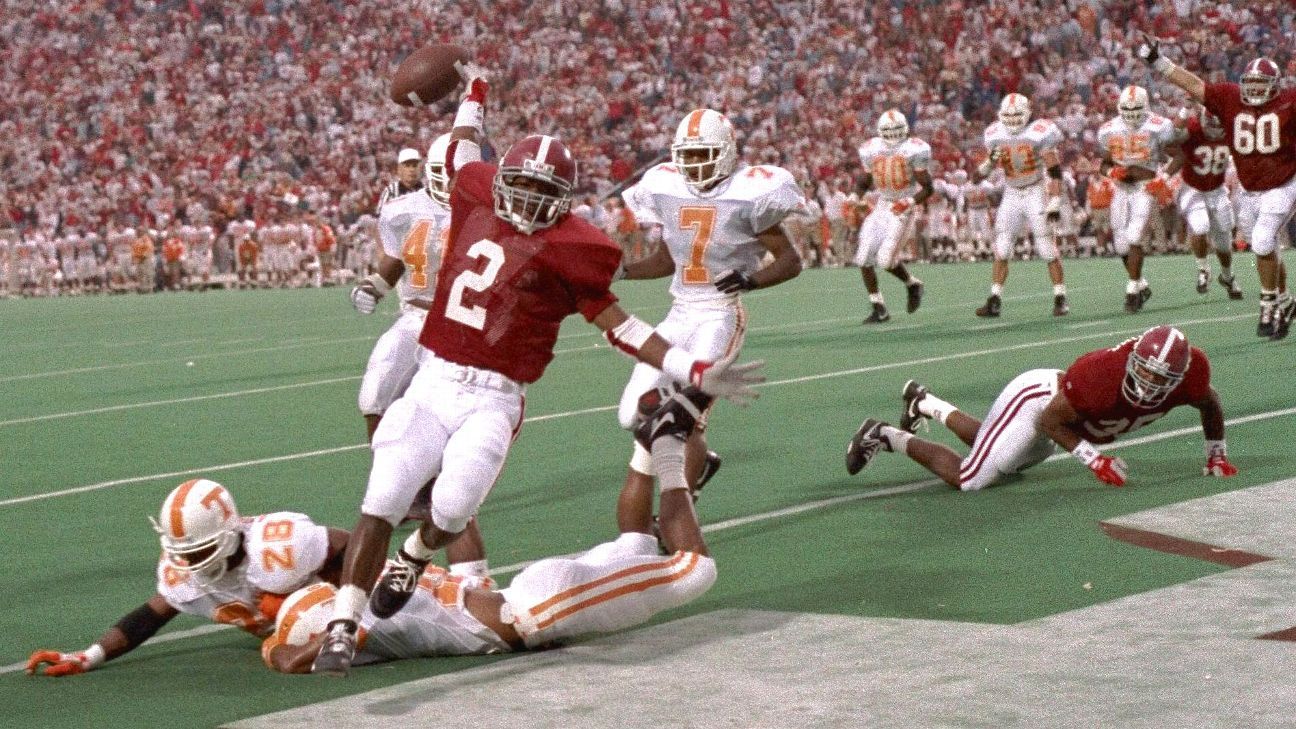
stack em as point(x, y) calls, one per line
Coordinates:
point(1059, 289)
point(876, 298)
point(415, 547)
point(641, 461)
point(1132, 287)
point(897, 440)
point(1203, 264)
point(935, 408)
point(996, 289)
point(911, 280)
point(475, 568)
point(349, 602)
point(1142, 284)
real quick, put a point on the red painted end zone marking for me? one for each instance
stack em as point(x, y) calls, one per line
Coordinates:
point(1231, 558)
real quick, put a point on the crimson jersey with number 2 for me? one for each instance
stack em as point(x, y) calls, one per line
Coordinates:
point(1092, 384)
point(501, 295)
point(1263, 137)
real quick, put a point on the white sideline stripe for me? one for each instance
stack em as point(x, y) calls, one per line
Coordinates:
point(181, 361)
point(985, 327)
point(766, 516)
point(586, 411)
point(157, 403)
point(1086, 324)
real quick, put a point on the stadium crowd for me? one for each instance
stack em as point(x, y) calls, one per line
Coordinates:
point(146, 114)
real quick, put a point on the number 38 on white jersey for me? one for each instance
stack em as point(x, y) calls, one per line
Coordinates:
point(716, 231)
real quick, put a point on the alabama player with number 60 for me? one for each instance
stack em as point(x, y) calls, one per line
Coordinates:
point(1102, 395)
point(215, 565)
point(1259, 123)
point(514, 266)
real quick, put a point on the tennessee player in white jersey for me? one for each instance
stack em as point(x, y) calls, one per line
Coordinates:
point(895, 165)
point(214, 565)
point(614, 586)
point(718, 219)
point(1133, 146)
point(1026, 153)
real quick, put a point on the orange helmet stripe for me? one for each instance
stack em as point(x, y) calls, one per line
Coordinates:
point(695, 122)
point(311, 599)
point(177, 505)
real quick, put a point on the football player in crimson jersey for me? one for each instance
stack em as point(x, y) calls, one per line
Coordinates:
point(1259, 123)
point(514, 266)
point(1103, 394)
point(1204, 201)
point(217, 566)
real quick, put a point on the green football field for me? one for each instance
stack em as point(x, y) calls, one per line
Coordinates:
point(109, 402)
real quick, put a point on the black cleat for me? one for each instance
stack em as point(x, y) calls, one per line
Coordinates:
point(1061, 307)
point(915, 290)
point(338, 650)
point(912, 394)
point(1265, 327)
point(991, 308)
point(879, 315)
point(1132, 303)
point(1203, 280)
point(1144, 294)
point(396, 586)
point(865, 444)
point(1231, 284)
point(1282, 320)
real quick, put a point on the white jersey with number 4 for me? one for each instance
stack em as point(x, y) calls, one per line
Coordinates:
point(1021, 153)
point(413, 228)
point(893, 167)
point(284, 551)
point(714, 232)
point(1143, 147)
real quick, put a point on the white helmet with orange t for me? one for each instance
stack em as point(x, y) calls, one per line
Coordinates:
point(200, 529)
point(305, 614)
point(892, 127)
point(1014, 112)
point(707, 131)
point(1133, 106)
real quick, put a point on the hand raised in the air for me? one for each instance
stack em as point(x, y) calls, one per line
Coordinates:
point(1149, 50)
point(476, 80)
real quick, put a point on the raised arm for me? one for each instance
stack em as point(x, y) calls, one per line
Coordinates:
point(1150, 51)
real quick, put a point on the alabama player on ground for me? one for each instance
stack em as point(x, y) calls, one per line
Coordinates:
point(611, 587)
point(1259, 122)
point(217, 566)
point(896, 165)
point(1026, 152)
point(1104, 394)
point(718, 219)
point(1204, 201)
point(1133, 146)
point(515, 265)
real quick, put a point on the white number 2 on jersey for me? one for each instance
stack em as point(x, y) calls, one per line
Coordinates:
point(475, 316)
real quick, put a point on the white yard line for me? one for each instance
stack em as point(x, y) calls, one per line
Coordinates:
point(1086, 324)
point(776, 513)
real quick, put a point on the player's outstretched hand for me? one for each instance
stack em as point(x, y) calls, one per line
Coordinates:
point(476, 80)
point(1110, 470)
point(733, 382)
point(60, 664)
point(1219, 467)
point(1149, 50)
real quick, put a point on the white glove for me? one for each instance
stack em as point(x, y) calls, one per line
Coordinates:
point(366, 295)
point(721, 378)
point(470, 72)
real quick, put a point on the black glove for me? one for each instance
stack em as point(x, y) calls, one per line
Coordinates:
point(735, 281)
point(1149, 50)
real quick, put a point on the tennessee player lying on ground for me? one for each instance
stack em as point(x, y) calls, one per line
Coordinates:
point(614, 586)
point(1104, 394)
point(215, 565)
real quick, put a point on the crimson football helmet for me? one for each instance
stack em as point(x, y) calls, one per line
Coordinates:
point(1210, 124)
point(534, 184)
point(1156, 366)
point(200, 528)
point(1259, 82)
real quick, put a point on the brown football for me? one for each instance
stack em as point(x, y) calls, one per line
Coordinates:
point(428, 74)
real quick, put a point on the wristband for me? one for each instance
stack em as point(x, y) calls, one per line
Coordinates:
point(469, 115)
point(1086, 452)
point(93, 657)
point(1216, 448)
point(379, 283)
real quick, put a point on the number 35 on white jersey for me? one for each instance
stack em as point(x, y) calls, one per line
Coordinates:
point(715, 232)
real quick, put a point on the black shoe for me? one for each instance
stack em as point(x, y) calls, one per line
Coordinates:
point(1231, 284)
point(1132, 303)
point(1282, 320)
point(915, 290)
point(396, 586)
point(865, 444)
point(1144, 294)
point(1060, 305)
point(338, 650)
point(879, 315)
point(991, 308)
point(912, 394)
point(1265, 327)
point(1203, 280)
point(709, 468)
